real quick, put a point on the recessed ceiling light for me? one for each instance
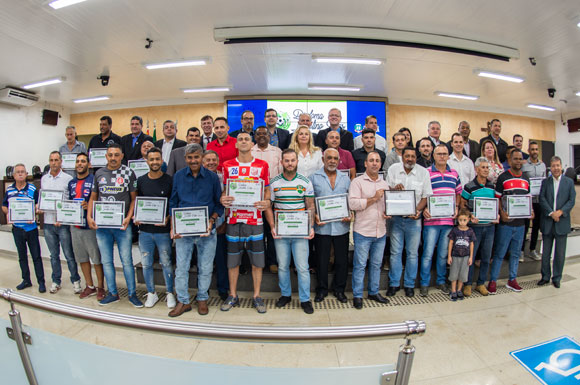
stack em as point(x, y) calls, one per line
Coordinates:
point(500, 76)
point(57, 4)
point(540, 107)
point(333, 87)
point(207, 89)
point(456, 96)
point(93, 99)
point(347, 60)
point(175, 64)
point(44, 83)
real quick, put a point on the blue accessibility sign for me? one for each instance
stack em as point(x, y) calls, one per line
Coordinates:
point(552, 362)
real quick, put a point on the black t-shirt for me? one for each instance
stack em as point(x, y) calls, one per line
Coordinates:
point(98, 142)
point(510, 184)
point(461, 241)
point(160, 188)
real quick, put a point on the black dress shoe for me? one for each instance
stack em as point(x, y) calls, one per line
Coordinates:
point(543, 282)
point(379, 298)
point(391, 291)
point(357, 303)
point(556, 284)
point(409, 292)
point(283, 301)
point(319, 297)
point(23, 285)
point(340, 296)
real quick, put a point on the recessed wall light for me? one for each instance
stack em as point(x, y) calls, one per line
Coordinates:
point(175, 64)
point(92, 99)
point(540, 107)
point(57, 4)
point(207, 89)
point(499, 76)
point(333, 87)
point(456, 96)
point(42, 83)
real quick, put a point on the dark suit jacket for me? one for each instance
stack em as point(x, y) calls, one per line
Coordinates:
point(284, 138)
point(213, 137)
point(564, 201)
point(176, 161)
point(133, 152)
point(474, 150)
point(346, 139)
point(176, 144)
point(501, 147)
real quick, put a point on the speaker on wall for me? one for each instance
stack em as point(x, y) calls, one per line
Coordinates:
point(50, 118)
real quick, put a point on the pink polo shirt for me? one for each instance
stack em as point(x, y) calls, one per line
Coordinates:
point(346, 160)
point(369, 221)
point(271, 155)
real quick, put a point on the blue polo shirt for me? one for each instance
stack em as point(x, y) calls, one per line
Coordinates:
point(322, 188)
point(203, 190)
point(28, 192)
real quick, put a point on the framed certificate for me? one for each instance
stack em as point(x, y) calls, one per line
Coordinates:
point(518, 206)
point(139, 167)
point(70, 213)
point(382, 174)
point(485, 208)
point(246, 192)
point(48, 199)
point(535, 186)
point(292, 224)
point(442, 206)
point(400, 203)
point(190, 221)
point(332, 208)
point(97, 157)
point(150, 210)
point(109, 215)
point(21, 211)
point(69, 161)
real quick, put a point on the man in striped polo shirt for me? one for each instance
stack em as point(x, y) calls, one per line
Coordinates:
point(291, 191)
point(509, 234)
point(444, 180)
point(484, 230)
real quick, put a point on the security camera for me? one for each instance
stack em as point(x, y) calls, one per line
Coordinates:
point(104, 80)
point(551, 92)
point(532, 61)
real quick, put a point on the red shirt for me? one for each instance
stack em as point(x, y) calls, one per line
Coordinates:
point(346, 160)
point(257, 169)
point(225, 151)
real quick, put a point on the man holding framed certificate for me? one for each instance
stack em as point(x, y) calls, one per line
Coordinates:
point(115, 186)
point(152, 217)
point(70, 149)
point(25, 233)
point(292, 193)
point(103, 140)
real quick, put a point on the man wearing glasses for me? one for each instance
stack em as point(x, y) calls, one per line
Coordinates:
point(247, 125)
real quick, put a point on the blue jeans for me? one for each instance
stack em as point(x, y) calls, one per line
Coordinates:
point(105, 240)
point(507, 238)
point(404, 232)
point(205, 255)
point(367, 248)
point(285, 249)
point(484, 236)
point(55, 238)
point(147, 243)
point(435, 236)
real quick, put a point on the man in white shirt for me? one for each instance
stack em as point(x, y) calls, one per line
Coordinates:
point(459, 162)
point(169, 141)
point(380, 142)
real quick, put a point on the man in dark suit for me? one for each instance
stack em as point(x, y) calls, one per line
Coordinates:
point(278, 137)
point(334, 119)
point(247, 125)
point(470, 147)
point(170, 142)
point(557, 198)
point(500, 144)
point(131, 143)
point(207, 134)
point(433, 133)
point(177, 156)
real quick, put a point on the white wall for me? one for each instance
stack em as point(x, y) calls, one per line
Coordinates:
point(24, 139)
point(564, 142)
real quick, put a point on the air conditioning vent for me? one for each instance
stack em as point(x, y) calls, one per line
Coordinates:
point(17, 97)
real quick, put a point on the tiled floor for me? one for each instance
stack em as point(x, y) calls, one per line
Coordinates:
point(467, 342)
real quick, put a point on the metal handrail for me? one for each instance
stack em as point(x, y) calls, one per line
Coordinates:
point(405, 329)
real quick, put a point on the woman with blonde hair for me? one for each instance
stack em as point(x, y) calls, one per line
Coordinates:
point(489, 151)
point(309, 156)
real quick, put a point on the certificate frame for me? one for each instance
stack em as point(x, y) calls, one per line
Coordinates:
point(345, 172)
point(19, 202)
point(432, 200)
point(67, 158)
point(477, 211)
point(320, 202)
point(279, 216)
point(59, 208)
point(538, 187)
point(140, 203)
point(508, 198)
point(136, 169)
point(230, 187)
point(411, 193)
point(116, 203)
point(93, 152)
point(175, 214)
point(49, 205)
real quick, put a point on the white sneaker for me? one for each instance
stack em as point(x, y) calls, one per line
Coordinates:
point(171, 301)
point(535, 256)
point(77, 287)
point(522, 256)
point(152, 299)
point(54, 288)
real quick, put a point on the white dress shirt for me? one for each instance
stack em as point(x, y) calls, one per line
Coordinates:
point(309, 163)
point(166, 150)
point(556, 187)
point(58, 182)
point(464, 168)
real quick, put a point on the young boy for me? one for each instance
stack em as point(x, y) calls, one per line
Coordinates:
point(460, 254)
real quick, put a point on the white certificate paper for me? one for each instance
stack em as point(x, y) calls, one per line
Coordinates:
point(69, 161)
point(518, 206)
point(442, 206)
point(400, 203)
point(139, 167)
point(150, 210)
point(293, 224)
point(485, 208)
point(97, 157)
point(536, 185)
point(332, 208)
point(48, 199)
point(70, 213)
point(190, 221)
point(21, 211)
point(246, 192)
point(109, 215)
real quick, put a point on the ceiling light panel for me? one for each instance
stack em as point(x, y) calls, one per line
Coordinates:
point(176, 64)
point(456, 95)
point(541, 107)
point(500, 76)
point(57, 4)
point(333, 87)
point(207, 89)
point(347, 60)
point(43, 83)
point(92, 99)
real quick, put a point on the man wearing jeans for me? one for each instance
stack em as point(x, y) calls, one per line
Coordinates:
point(195, 186)
point(291, 191)
point(370, 231)
point(56, 236)
point(156, 184)
point(509, 234)
point(484, 230)
point(446, 181)
point(406, 231)
point(115, 183)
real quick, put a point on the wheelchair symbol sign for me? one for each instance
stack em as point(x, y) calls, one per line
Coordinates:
point(552, 362)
